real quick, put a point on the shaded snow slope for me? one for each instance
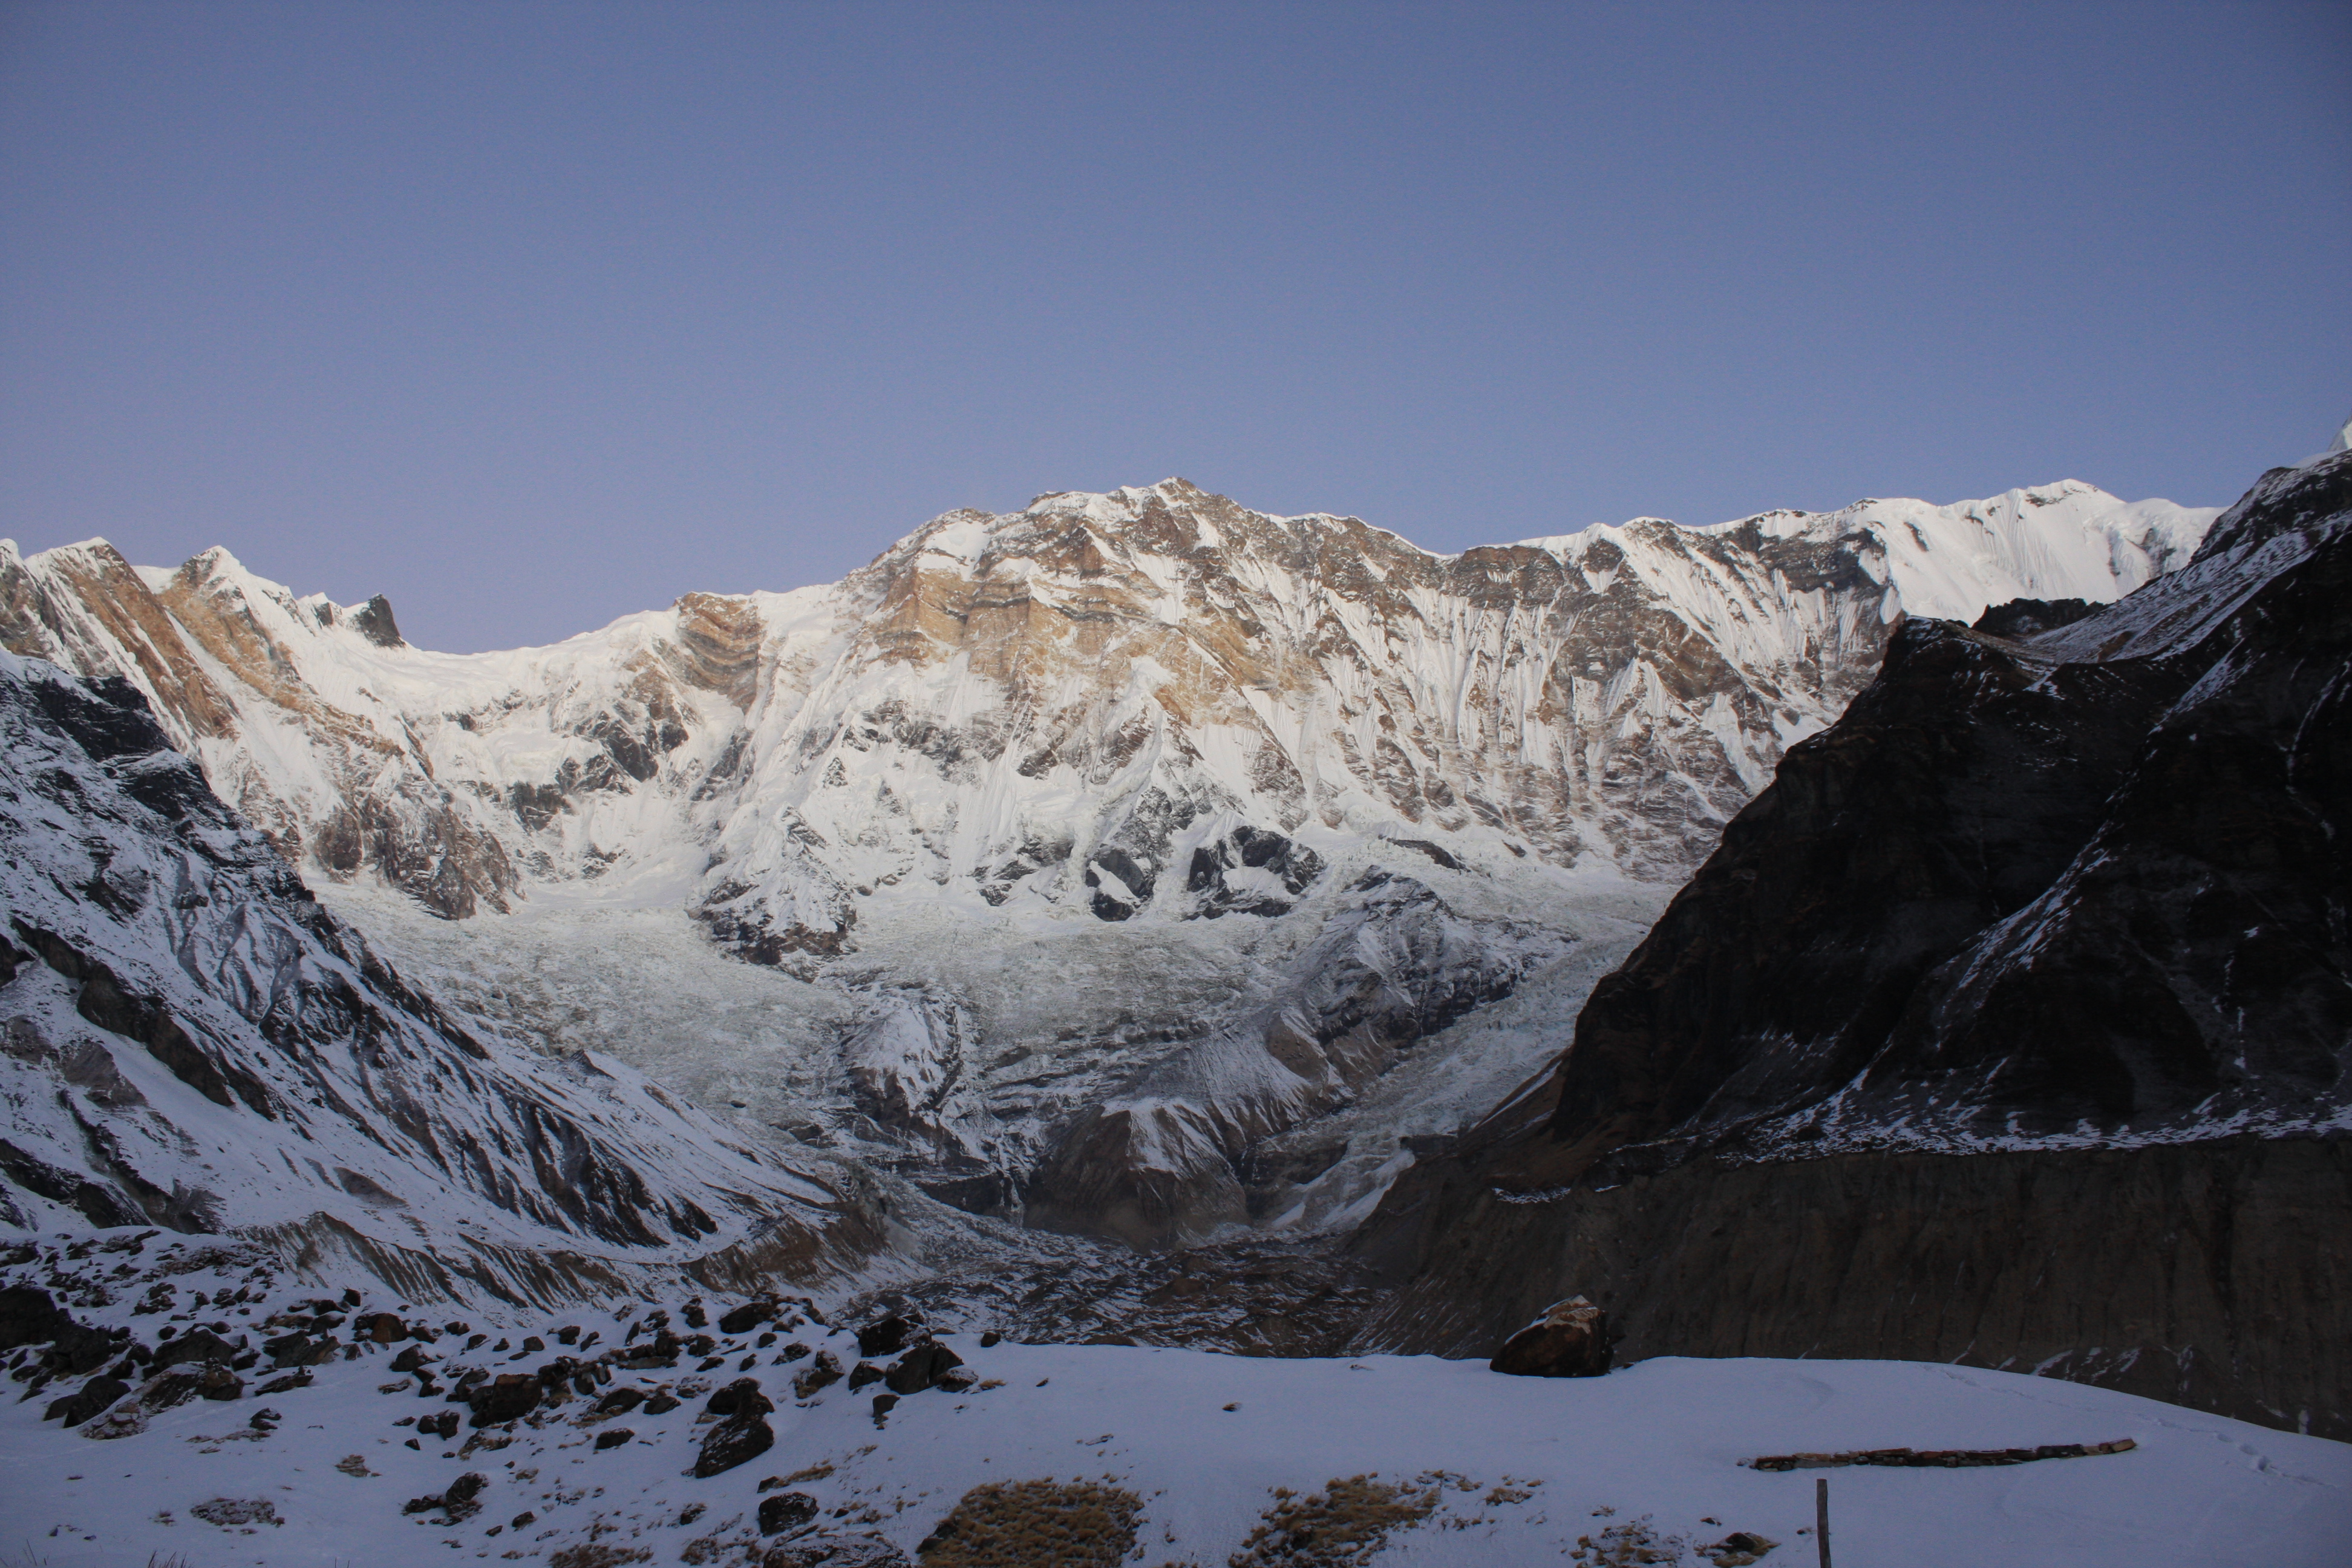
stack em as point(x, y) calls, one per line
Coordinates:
point(190, 1040)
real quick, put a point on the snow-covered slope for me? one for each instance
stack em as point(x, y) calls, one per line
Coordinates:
point(1116, 855)
point(191, 1041)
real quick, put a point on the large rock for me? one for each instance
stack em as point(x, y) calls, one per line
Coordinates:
point(92, 1397)
point(747, 1317)
point(1570, 1340)
point(510, 1397)
point(198, 1345)
point(785, 1510)
point(921, 1367)
point(737, 1441)
point(744, 1397)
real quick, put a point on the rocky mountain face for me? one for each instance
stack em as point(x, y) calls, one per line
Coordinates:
point(189, 1041)
point(2012, 1024)
point(1231, 813)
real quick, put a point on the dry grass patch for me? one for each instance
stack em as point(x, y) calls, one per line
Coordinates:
point(1340, 1526)
point(1019, 1524)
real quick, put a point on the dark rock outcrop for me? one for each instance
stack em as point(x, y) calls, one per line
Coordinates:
point(2013, 1023)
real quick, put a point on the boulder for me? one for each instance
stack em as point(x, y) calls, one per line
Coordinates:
point(219, 1383)
point(27, 1317)
point(785, 1510)
point(413, 1359)
point(383, 1328)
point(1570, 1340)
point(886, 1337)
point(737, 1441)
point(620, 1402)
point(92, 1397)
point(921, 1367)
point(509, 1398)
point(747, 1317)
point(744, 1397)
point(196, 1345)
point(613, 1437)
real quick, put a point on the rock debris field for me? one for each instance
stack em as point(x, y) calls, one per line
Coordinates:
point(185, 1400)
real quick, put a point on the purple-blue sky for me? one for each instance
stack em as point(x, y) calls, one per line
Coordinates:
point(532, 315)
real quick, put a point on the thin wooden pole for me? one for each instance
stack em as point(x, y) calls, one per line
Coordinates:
point(1822, 1516)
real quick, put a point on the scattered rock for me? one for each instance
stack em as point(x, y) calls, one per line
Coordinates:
point(230, 1510)
point(991, 1340)
point(836, 1551)
point(819, 1374)
point(1570, 1340)
point(461, 1501)
point(864, 1372)
point(219, 1383)
point(620, 1401)
point(1738, 1549)
point(613, 1437)
point(442, 1424)
point(662, 1403)
point(413, 1359)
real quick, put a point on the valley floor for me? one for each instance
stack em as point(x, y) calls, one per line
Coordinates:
point(1490, 1470)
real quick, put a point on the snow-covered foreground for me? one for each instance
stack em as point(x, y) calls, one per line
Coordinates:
point(1524, 1467)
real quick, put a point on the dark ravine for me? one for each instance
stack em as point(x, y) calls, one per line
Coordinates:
point(2013, 1024)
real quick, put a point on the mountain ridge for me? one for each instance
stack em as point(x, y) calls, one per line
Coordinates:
point(1149, 724)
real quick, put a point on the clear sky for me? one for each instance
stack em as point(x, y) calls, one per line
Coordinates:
point(533, 315)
